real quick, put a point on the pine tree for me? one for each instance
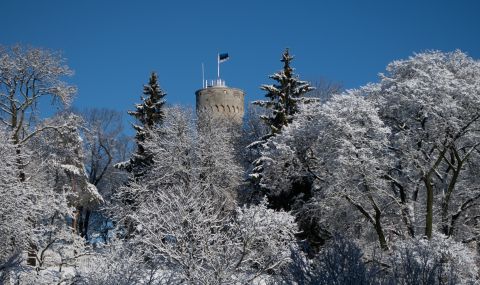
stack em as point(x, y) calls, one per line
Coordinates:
point(283, 96)
point(148, 115)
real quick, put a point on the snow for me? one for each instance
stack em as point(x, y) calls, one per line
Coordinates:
point(72, 169)
point(359, 165)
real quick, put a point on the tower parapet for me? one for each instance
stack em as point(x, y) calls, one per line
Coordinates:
point(220, 101)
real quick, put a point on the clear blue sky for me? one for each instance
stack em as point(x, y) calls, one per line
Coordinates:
point(114, 45)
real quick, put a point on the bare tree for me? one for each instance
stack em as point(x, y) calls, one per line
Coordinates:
point(105, 145)
point(325, 89)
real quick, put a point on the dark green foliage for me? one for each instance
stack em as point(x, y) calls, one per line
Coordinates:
point(283, 102)
point(150, 112)
point(148, 115)
point(283, 96)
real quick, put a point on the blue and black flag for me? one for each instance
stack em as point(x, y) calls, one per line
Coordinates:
point(223, 57)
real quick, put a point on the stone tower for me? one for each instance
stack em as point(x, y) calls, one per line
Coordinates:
point(220, 101)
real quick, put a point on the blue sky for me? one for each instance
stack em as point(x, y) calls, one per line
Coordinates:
point(114, 45)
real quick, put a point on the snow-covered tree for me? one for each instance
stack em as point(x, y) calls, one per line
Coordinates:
point(182, 154)
point(325, 89)
point(37, 213)
point(187, 233)
point(6, 266)
point(185, 216)
point(148, 114)
point(392, 150)
point(26, 75)
point(341, 261)
point(63, 150)
point(15, 205)
point(104, 145)
point(103, 142)
point(118, 263)
point(59, 187)
point(440, 260)
point(284, 96)
point(431, 101)
point(340, 147)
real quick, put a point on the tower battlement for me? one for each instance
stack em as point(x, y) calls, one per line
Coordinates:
point(220, 101)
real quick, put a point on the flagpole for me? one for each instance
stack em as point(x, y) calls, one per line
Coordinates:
point(218, 65)
point(203, 76)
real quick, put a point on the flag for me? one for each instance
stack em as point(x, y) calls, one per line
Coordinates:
point(223, 57)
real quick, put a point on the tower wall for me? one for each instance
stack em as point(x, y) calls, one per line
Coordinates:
point(221, 102)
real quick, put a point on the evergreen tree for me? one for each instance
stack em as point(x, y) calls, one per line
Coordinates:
point(283, 96)
point(148, 114)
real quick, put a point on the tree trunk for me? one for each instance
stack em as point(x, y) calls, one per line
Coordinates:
point(32, 255)
point(429, 216)
point(446, 201)
point(405, 209)
point(376, 222)
point(379, 230)
point(86, 221)
point(406, 217)
point(75, 219)
point(451, 186)
point(81, 220)
point(427, 179)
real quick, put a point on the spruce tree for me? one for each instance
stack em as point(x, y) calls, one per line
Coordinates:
point(148, 114)
point(283, 96)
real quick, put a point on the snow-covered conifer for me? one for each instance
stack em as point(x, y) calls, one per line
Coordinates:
point(284, 96)
point(148, 114)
